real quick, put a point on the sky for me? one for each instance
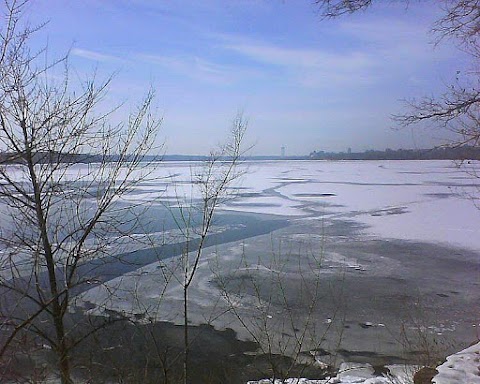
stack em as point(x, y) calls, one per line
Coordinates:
point(302, 82)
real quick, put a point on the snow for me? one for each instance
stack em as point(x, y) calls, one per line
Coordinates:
point(354, 373)
point(462, 367)
point(430, 201)
point(269, 205)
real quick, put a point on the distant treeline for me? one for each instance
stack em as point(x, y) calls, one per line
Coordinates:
point(46, 157)
point(442, 153)
point(56, 157)
point(456, 153)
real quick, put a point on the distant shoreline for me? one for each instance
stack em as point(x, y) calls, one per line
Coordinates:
point(462, 153)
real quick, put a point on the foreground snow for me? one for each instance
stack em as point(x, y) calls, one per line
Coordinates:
point(354, 373)
point(462, 367)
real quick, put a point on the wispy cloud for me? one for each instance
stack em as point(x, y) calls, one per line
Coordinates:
point(396, 39)
point(95, 56)
point(305, 58)
point(308, 66)
point(199, 68)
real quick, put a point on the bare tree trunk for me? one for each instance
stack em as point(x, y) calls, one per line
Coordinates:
point(57, 311)
point(186, 345)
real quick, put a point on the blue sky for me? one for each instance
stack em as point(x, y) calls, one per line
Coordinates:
point(304, 83)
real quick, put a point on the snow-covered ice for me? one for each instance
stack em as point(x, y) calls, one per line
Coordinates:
point(431, 201)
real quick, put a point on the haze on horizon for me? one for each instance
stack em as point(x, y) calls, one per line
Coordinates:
point(303, 83)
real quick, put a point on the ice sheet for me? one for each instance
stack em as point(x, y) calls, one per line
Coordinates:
point(432, 201)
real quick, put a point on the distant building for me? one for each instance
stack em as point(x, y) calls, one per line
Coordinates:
point(282, 151)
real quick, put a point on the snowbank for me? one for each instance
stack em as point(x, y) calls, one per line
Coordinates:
point(462, 367)
point(354, 373)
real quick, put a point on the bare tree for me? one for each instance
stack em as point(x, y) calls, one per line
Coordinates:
point(213, 180)
point(168, 358)
point(59, 216)
point(458, 108)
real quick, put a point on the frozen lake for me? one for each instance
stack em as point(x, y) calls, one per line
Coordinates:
point(412, 200)
point(358, 259)
point(379, 247)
